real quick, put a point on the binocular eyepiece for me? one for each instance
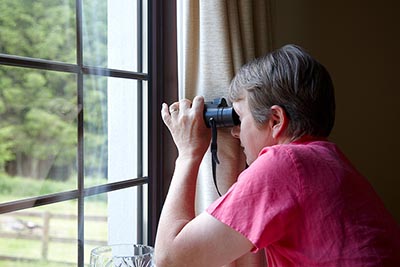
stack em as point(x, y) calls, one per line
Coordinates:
point(220, 114)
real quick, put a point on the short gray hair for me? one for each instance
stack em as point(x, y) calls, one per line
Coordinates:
point(292, 79)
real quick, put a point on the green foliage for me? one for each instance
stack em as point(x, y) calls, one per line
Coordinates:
point(40, 29)
point(6, 144)
point(38, 109)
point(38, 117)
point(95, 33)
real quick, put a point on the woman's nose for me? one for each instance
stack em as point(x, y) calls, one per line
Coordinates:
point(235, 131)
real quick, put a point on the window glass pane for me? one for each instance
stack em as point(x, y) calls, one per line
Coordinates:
point(117, 217)
point(37, 132)
point(113, 149)
point(42, 236)
point(127, 216)
point(96, 227)
point(39, 126)
point(41, 29)
point(95, 33)
point(95, 130)
point(110, 34)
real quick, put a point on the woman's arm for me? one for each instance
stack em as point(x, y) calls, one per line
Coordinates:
point(183, 239)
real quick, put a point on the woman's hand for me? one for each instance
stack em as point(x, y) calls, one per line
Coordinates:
point(184, 120)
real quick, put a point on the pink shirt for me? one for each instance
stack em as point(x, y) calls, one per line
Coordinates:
point(307, 206)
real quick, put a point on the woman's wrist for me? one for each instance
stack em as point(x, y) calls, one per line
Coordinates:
point(189, 158)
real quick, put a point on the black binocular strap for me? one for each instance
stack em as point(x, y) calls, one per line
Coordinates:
point(214, 156)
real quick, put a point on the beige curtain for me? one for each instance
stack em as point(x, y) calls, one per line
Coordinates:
point(215, 38)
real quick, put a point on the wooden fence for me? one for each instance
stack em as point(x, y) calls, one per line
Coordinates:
point(45, 234)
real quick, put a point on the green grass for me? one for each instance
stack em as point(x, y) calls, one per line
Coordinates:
point(9, 263)
point(17, 247)
point(15, 188)
point(28, 187)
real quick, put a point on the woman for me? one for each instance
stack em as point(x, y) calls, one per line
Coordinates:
point(300, 199)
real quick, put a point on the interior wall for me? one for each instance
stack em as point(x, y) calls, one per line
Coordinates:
point(358, 42)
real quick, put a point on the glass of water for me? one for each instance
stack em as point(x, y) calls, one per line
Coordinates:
point(122, 255)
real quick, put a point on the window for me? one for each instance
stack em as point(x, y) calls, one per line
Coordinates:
point(76, 127)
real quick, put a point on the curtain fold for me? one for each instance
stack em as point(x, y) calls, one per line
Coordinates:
point(215, 38)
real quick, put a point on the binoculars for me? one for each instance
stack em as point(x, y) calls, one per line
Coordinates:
point(218, 112)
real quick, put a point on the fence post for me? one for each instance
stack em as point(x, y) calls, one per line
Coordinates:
point(45, 237)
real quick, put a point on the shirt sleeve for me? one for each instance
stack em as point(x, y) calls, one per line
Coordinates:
point(263, 203)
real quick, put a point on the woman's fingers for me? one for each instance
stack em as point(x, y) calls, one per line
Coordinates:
point(198, 104)
point(174, 108)
point(165, 114)
point(184, 106)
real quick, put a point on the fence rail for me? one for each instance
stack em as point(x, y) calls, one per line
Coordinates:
point(45, 234)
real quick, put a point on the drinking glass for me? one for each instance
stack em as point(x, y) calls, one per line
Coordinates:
point(122, 255)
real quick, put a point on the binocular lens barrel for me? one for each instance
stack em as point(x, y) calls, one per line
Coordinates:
point(222, 116)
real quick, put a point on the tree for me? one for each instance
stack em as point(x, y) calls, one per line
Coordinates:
point(38, 109)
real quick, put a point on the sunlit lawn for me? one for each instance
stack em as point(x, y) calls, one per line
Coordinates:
point(8, 263)
point(58, 227)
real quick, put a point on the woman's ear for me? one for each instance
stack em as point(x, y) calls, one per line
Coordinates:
point(279, 121)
